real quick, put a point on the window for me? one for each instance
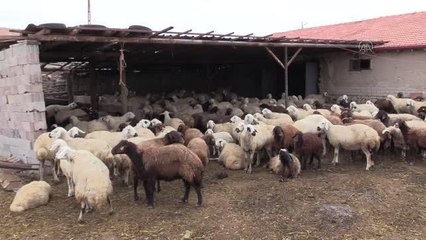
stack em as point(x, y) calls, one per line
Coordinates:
point(359, 64)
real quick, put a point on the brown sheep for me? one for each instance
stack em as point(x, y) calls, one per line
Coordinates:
point(277, 109)
point(308, 145)
point(283, 137)
point(385, 105)
point(200, 146)
point(189, 133)
point(168, 163)
point(414, 138)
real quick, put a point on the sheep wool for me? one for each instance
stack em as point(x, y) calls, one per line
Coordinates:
point(31, 195)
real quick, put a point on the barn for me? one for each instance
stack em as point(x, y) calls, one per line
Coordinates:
point(53, 63)
point(396, 66)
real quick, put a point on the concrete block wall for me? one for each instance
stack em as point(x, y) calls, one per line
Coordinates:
point(22, 106)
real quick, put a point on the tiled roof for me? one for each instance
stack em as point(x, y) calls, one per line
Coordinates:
point(401, 31)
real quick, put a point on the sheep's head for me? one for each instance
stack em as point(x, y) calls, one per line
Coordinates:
point(182, 128)
point(251, 130)
point(209, 131)
point(198, 107)
point(323, 125)
point(129, 132)
point(353, 105)
point(57, 145)
point(144, 123)
point(239, 128)
point(165, 113)
point(369, 102)
point(246, 101)
point(74, 120)
point(345, 98)
point(307, 107)
point(57, 133)
point(325, 94)
point(249, 119)
point(269, 96)
point(72, 105)
point(210, 124)
point(220, 143)
point(400, 95)
point(122, 147)
point(65, 153)
point(382, 116)
point(129, 115)
point(292, 110)
point(410, 103)
point(278, 133)
point(258, 116)
point(174, 137)
point(387, 132)
point(298, 140)
point(334, 108)
point(155, 122)
point(75, 131)
point(209, 139)
point(235, 119)
point(285, 156)
point(266, 112)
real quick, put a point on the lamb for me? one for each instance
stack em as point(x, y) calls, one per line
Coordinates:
point(391, 119)
point(31, 195)
point(400, 104)
point(274, 122)
point(415, 138)
point(200, 146)
point(309, 109)
point(114, 122)
point(352, 137)
point(253, 139)
point(88, 126)
point(90, 176)
point(222, 135)
point(308, 145)
point(395, 134)
point(283, 137)
point(369, 107)
point(231, 155)
point(164, 163)
point(43, 153)
point(51, 110)
point(290, 164)
point(189, 133)
point(98, 147)
point(297, 113)
point(172, 122)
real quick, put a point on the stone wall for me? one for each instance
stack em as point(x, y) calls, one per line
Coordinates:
point(22, 106)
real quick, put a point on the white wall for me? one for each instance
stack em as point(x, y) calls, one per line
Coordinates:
point(391, 72)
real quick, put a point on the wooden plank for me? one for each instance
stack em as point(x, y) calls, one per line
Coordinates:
point(276, 58)
point(160, 32)
point(294, 56)
point(286, 75)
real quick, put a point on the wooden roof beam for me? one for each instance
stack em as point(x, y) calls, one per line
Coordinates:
point(160, 32)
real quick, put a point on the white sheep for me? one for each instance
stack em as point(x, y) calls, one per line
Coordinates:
point(219, 127)
point(31, 195)
point(231, 155)
point(235, 119)
point(273, 115)
point(88, 126)
point(226, 136)
point(51, 110)
point(351, 137)
point(64, 165)
point(400, 104)
point(275, 122)
point(93, 186)
point(336, 109)
point(253, 139)
point(172, 122)
point(75, 132)
point(155, 122)
point(113, 138)
point(43, 153)
point(62, 116)
point(297, 113)
point(369, 107)
point(115, 122)
point(309, 109)
point(100, 148)
point(144, 123)
point(414, 106)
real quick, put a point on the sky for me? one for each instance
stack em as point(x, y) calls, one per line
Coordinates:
point(223, 16)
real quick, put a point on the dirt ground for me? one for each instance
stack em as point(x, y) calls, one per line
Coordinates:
point(342, 202)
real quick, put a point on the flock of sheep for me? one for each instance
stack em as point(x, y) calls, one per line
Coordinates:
point(90, 148)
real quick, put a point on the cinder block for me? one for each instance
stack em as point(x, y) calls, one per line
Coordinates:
point(30, 69)
point(6, 82)
point(27, 88)
point(3, 100)
point(40, 125)
point(10, 90)
point(24, 98)
point(12, 124)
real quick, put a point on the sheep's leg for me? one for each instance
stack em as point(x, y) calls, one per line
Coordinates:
point(55, 173)
point(403, 154)
point(70, 187)
point(111, 210)
point(187, 189)
point(150, 190)
point(257, 159)
point(247, 161)
point(336, 156)
point(368, 157)
point(197, 188)
point(41, 170)
point(126, 177)
point(82, 209)
point(158, 186)
point(135, 187)
point(250, 161)
point(324, 145)
point(319, 161)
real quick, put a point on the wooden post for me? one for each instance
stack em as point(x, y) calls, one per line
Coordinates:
point(93, 87)
point(70, 81)
point(124, 92)
point(286, 75)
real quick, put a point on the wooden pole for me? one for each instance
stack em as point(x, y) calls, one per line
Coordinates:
point(93, 87)
point(275, 57)
point(124, 92)
point(70, 81)
point(286, 75)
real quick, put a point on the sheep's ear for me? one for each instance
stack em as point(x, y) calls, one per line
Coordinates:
point(81, 131)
